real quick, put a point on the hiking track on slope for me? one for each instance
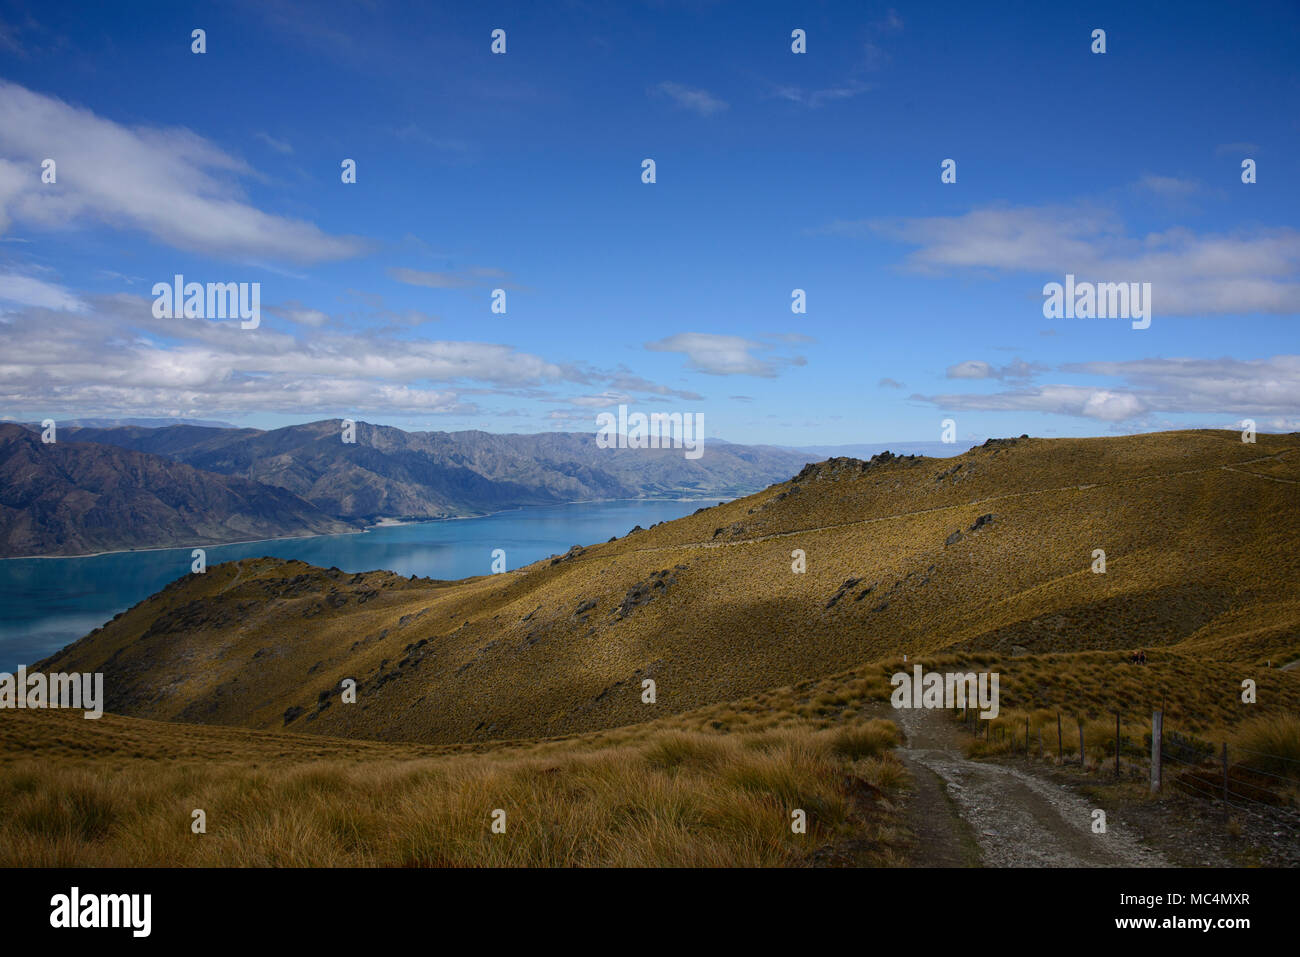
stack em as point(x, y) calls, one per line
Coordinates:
point(973, 813)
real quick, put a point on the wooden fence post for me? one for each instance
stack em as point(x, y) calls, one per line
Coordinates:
point(1060, 751)
point(1081, 751)
point(1026, 737)
point(1157, 730)
point(1225, 772)
point(1116, 744)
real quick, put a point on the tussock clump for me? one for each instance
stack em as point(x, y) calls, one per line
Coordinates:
point(1271, 743)
point(684, 747)
point(869, 740)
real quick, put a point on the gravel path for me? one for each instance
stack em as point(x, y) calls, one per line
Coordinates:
point(1015, 818)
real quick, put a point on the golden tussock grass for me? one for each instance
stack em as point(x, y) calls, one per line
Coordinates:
point(1271, 743)
point(667, 798)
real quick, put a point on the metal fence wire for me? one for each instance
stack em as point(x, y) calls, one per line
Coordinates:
point(1201, 769)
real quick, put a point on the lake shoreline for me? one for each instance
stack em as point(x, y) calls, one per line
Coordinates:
point(47, 605)
point(382, 523)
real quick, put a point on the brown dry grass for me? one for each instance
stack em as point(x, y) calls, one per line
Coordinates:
point(668, 798)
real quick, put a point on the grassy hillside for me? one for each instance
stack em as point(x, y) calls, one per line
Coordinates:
point(902, 557)
point(524, 691)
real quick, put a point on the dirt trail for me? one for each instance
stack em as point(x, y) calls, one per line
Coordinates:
point(971, 813)
point(239, 573)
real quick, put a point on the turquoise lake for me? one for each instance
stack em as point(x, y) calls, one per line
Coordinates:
point(46, 603)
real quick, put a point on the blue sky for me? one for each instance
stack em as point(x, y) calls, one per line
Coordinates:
point(775, 171)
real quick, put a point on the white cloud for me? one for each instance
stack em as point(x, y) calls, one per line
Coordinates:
point(1242, 149)
point(699, 101)
point(171, 184)
point(723, 355)
point(1229, 386)
point(1168, 185)
point(114, 357)
point(622, 379)
point(1082, 401)
point(478, 276)
point(604, 400)
point(815, 99)
point(26, 291)
point(970, 369)
point(280, 146)
point(1191, 273)
point(296, 312)
point(978, 369)
point(1225, 387)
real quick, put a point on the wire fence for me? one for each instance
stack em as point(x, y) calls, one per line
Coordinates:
point(1233, 783)
point(1228, 774)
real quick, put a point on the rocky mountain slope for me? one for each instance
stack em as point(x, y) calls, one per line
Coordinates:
point(74, 498)
point(390, 473)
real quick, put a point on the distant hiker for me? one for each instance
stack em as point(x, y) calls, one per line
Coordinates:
point(1138, 657)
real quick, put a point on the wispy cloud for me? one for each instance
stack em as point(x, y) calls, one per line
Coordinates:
point(874, 54)
point(21, 290)
point(464, 279)
point(171, 184)
point(1220, 387)
point(280, 146)
point(725, 355)
point(699, 101)
point(1102, 404)
point(1168, 185)
point(1250, 270)
point(64, 352)
point(624, 380)
point(815, 99)
point(120, 277)
point(601, 401)
point(978, 369)
point(116, 356)
point(296, 312)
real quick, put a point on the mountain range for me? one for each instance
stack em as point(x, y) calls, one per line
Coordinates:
point(194, 485)
point(66, 498)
